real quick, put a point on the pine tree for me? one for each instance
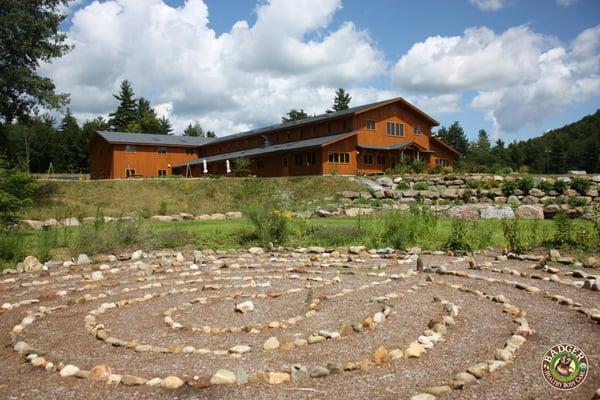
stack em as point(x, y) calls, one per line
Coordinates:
point(294, 115)
point(341, 101)
point(127, 110)
point(194, 130)
point(165, 127)
point(211, 134)
point(455, 137)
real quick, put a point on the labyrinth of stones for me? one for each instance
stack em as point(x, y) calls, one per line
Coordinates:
point(295, 323)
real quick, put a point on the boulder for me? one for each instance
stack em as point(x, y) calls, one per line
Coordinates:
point(465, 211)
point(529, 212)
point(32, 264)
point(50, 223)
point(223, 377)
point(536, 193)
point(162, 218)
point(233, 215)
point(504, 212)
point(72, 221)
point(171, 382)
point(385, 181)
point(356, 211)
point(35, 225)
point(350, 194)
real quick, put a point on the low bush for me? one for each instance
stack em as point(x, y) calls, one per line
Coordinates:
point(401, 229)
point(458, 239)
point(560, 186)
point(526, 184)
point(520, 239)
point(546, 187)
point(581, 185)
point(270, 225)
point(106, 237)
point(17, 189)
point(563, 234)
point(403, 186)
point(509, 188)
point(420, 186)
point(12, 248)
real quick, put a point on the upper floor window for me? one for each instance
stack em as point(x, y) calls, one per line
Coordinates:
point(162, 150)
point(311, 158)
point(418, 129)
point(344, 124)
point(329, 127)
point(370, 124)
point(395, 129)
point(301, 133)
point(130, 148)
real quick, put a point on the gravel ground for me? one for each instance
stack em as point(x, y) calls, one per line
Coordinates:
point(480, 328)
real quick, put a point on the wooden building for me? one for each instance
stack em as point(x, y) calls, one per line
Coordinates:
point(366, 139)
point(115, 155)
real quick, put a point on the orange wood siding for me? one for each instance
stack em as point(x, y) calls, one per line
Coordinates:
point(101, 156)
point(343, 146)
point(146, 160)
point(391, 113)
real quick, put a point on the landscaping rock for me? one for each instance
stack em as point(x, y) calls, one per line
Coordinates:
point(529, 212)
point(504, 212)
point(223, 377)
point(171, 382)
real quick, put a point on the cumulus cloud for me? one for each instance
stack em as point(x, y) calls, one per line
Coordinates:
point(242, 78)
point(491, 5)
point(518, 76)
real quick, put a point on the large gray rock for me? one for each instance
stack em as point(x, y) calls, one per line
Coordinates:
point(350, 194)
point(504, 212)
point(35, 225)
point(536, 193)
point(356, 211)
point(465, 211)
point(70, 222)
point(385, 181)
point(529, 212)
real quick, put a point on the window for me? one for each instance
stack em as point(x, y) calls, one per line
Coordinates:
point(311, 158)
point(381, 159)
point(329, 127)
point(344, 124)
point(339, 158)
point(189, 150)
point(285, 161)
point(418, 129)
point(130, 172)
point(368, 159)
point(442, 162)
point(314, 130)
point(370, 124)
point(298, 160)
point(395, 129)
point(301, 133)
point(162, 150)
point(130, 148)
point(260, 164)
point(162, 172)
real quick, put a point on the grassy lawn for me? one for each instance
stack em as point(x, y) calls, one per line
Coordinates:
point(400, 230)
point(196, 196)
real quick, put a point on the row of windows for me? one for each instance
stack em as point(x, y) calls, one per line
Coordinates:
point(343, 158)
point(130, 172)
point(368, 159)
point(161, 150)
point(394, 128)
point(442, 162)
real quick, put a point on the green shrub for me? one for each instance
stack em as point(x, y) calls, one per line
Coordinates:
point(526, 184)
point(581, 185)
point(520, 239)
point(17, 189)
point(270, 225)
point(546, 187)
point(420, 186)
point(46, 241)
point(106, 237)
point(402, 229)
point(577, 202)
point(403, 186)
point(509, 188)
point(458, 239)
point(418, 166)
point(466, 196)
point(162, 210)
point(560, 186)
point(12, 248)
point(473, 183)
point(563, 234)
point(172, 239)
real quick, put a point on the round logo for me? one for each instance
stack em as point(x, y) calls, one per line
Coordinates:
point(565, 366)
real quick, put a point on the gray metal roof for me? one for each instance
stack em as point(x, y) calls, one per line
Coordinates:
point(307, 143)
point(310, 120)
point(145, 138)
point(395, 146)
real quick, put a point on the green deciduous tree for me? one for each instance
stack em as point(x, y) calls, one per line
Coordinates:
point(294, 115)
point(341, 101)
point(29, 35)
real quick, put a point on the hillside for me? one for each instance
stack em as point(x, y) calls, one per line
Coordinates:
point(574, 146)
point(64, 199)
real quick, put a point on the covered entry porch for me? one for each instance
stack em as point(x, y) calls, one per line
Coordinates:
point(376, 159)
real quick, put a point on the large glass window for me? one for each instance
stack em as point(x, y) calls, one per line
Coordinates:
point(370, 124)
point(130, 148)
point(339, 158)
point(395, 129)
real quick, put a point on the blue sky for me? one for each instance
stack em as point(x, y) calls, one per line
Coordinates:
point(537, 60)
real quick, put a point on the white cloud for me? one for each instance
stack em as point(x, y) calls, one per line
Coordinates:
point(246, 77)
point(518, 76)
point(566, 3)
point(491, 5)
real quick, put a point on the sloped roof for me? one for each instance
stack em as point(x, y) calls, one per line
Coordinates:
point(395, 146)
point(447, 146)
point(301, 144)
point(325, 117)
point(151, 139)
